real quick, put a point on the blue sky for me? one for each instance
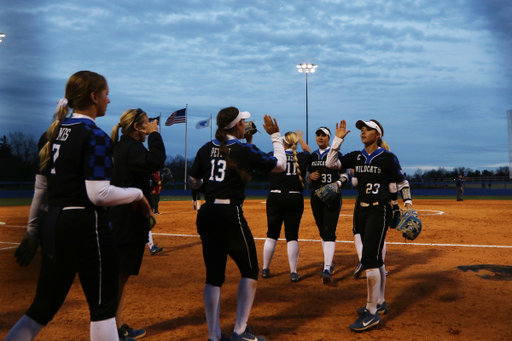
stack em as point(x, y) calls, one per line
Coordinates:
point(436, 74)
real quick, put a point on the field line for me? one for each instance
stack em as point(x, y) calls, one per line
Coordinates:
point(351, 241)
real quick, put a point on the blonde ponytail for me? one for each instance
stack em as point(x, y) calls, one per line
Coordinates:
point(291, 139)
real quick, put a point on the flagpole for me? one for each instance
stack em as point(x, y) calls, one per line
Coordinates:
point(186, 120)
point(211, 123)
point(160, 124)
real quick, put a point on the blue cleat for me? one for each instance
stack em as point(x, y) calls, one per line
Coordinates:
point(125, 332)
point(359, 270)
point(294, 277)
point(365, 321)
point(247, 336)
point(155, 249)
point(326, 277)
point(265, 273)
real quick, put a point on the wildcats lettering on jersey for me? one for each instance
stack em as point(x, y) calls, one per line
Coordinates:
point(318, 163)
point(63, 134)
point(368, 169)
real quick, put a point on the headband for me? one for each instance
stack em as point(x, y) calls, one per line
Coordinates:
point(242, 115)
point(370, 124)
point(324, 130)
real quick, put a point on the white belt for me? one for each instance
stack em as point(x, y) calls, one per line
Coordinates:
point(279, 191)
point(366, 204)
point(222, 201)
point(73, 208)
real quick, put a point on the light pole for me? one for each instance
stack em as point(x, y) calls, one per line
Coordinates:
point(306, 68)
point(1, 36)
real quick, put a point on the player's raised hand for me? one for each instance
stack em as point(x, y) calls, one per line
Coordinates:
point(270, 125)
point(341, 129)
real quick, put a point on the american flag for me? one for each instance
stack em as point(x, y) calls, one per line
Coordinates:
point(177, 117)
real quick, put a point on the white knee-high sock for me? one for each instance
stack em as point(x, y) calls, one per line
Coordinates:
point(329, 248)
point(211, 298)
point(245, 298)
point(268, 252)
point(25, 329)
point(150, 240)
point(373, 284)
point(382, 290)
point(105, 330)
point(293, 254)
point(359, 245)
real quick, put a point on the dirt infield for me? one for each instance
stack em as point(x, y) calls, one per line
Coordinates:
point(443, 286)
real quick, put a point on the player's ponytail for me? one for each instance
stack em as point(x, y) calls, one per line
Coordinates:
point(78, 96)
point(291, 139)
point(381, 143)
point(224, 118)
point(127, 122)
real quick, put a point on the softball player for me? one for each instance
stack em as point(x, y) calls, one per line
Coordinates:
point(285, 203)
point(375, 169)
point(223, 166)
point(76, 236)
point(133, 166)
point(326, 216)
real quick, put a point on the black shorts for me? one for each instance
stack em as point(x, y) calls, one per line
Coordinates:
point(287, 208)
point(326, 217)
point(130, 258)
point(224, 232)
point(84, 244)
point(373, 222)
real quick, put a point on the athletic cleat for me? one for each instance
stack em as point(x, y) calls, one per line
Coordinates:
point(265, 273)
point(222, 338)
point(359, 270)
point(130, 333)
point(365, 321)
point(155, 249)
point(326, 277)
point(247, 336)
point(382, 309)
point(195, 207)
point(294, 277)
point(158, 213)
point(331, 270)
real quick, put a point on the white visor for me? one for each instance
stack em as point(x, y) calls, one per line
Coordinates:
point(370, 124)
point(323, 130)
point(242, 115)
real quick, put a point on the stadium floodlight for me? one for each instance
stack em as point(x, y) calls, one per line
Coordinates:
point(1, 36)
point(306, 68)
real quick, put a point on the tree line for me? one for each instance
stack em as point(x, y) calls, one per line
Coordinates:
point(19, 160)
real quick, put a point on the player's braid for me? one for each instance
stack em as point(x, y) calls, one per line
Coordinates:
point(292, 138)
point(126, 122)
point(78, 93)
point(226, 116)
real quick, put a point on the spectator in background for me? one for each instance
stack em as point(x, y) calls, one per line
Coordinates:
point(155, 191)
point(460, 189)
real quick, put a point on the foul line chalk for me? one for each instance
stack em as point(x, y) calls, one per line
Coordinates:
point(351, 241)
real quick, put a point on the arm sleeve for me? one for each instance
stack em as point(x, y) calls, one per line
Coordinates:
point(405, 192)
point(279, 152)
point(393, 194)
point(40, 199)
point(102, 193)
point(332, 157)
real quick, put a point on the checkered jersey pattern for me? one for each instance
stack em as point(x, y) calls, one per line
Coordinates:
point(100, 157)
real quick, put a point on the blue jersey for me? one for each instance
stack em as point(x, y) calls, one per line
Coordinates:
point(221, 181)
point(374, 173)
point(81, 152)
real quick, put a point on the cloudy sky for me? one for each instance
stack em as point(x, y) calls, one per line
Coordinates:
point(436, 74)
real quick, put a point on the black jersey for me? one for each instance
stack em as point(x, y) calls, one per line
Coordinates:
point(289, 179)
point(81, 151)
point(133, 166)
point(327, 175)
point(222, 182)
point(374, 173)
